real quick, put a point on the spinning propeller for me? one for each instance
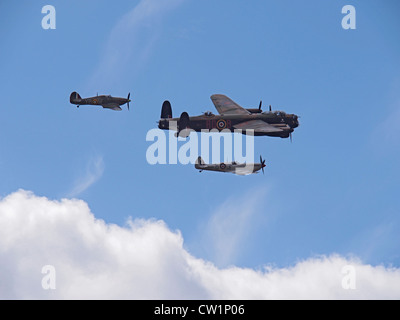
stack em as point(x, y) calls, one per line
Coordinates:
point(262, 164)
point(129, 94)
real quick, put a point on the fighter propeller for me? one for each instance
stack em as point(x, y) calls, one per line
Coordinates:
point(263, 165)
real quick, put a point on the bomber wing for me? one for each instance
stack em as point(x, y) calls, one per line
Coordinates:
point(225, 105)
point(258, 126)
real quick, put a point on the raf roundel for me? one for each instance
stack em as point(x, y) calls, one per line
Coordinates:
point(222, 166)
point(221, 124)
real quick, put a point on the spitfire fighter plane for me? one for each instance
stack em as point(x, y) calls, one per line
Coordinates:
point(106, 101)
point(242, 169)
point(231, 116)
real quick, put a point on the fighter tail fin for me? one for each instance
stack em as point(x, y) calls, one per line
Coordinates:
point(200, 160)
point(74, 97)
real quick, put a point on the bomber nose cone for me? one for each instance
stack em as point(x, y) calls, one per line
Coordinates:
point(296, 120)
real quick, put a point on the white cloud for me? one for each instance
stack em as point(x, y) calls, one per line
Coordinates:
point(132, 40)
point(230, 224)
point(94, 171)
point(146, 260)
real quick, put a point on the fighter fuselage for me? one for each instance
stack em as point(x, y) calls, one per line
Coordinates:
point(100, 100)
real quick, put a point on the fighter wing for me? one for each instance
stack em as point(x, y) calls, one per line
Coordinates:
point(243, 169)
point(113, 106)
point(224, 105)
point(242, 172)
point(258, 126)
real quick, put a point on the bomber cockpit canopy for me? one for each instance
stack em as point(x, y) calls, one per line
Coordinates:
point(209, 114)
point(280, 113)
point(277, 113)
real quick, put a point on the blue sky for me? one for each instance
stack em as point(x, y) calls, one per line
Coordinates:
point(334, 189)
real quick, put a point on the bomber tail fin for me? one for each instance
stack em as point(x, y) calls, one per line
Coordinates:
point(166, 110)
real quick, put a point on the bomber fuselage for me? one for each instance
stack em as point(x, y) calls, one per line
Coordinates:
point(209, 121)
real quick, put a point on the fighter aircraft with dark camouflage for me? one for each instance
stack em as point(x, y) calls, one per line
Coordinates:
point(106, 101)
point(231, 116)
point(242, 169)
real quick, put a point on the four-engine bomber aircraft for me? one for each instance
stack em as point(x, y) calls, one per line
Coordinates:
point(242, 169)
point(106, 101)
point(231, 116)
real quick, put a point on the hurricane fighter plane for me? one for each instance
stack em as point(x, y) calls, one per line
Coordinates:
point(106, 101)
point(242, 169)
point(231, 116)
